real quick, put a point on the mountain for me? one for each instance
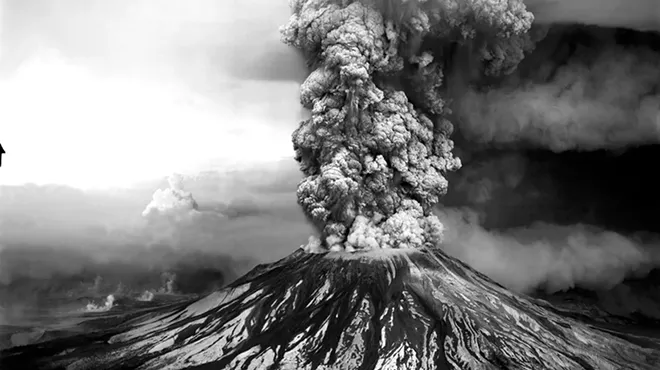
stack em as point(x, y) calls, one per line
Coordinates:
point(389, 309)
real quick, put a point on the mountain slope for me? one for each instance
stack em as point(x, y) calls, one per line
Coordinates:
point(391, 309)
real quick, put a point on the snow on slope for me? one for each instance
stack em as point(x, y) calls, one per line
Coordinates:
point(416, 309)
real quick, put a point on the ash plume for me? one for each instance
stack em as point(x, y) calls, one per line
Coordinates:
point(374, 158)
point(394, 85)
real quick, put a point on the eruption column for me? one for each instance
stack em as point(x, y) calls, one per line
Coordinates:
point(373, 161)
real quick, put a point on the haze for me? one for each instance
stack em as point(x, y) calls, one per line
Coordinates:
point(103, 100)
point(99, 94)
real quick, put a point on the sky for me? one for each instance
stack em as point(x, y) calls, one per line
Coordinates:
point(103, 100)
point(100, 94)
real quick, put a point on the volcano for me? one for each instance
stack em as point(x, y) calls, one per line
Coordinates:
point(457, 156)
point(389, 309)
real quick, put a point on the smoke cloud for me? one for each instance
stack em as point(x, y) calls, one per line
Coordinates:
point(538, 220)
point(547, 256)
point(65, 244)
point(373, 163)
point(518, 81)
point(602, 97)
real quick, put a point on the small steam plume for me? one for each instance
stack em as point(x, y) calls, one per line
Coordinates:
point(171, 211)
point(98, 281)
point(121, 289)
point(107, 305)
point(173, 201)
point(146, 296)
point(168, 280)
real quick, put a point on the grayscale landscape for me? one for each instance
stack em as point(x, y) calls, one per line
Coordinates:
point(329, 184)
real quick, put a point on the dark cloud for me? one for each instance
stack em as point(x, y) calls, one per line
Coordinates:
point(640, 15)
point(505, 87)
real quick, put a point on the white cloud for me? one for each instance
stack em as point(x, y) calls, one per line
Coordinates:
point(109, 95)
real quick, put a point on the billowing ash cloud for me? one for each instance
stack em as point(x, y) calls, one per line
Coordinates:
point(547, 256)
point(552, 221)
point(390, 81)
point(600, 98)
point(373, 157)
